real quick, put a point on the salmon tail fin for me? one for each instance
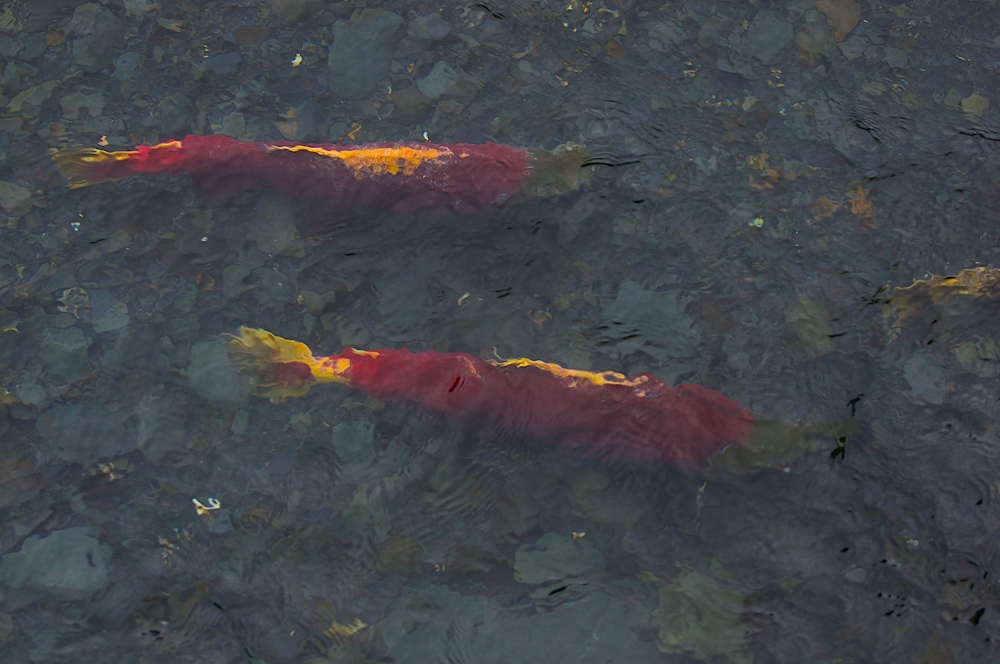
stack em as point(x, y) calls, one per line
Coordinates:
point(86, 166)
point(558, 171)
point(282, 368)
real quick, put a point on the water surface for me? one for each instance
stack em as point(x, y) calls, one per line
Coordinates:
point(767, 176)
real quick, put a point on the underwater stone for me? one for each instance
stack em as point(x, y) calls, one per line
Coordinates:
point(125, 65)
point(926, 375)
point(107, 313)
point(84, 433)
point(32, 394)
point(160, 429)
point(854, 46)
point(361, 51)
point(34, 46)
point(137, 348)
point(68, 564)
point(75, 102)
point(290, 11)
point(94, 50)
point(29, 102)
point(64, 353)
point(354, 442)
point(895, 57)
point(15, 199)
point(664, 37)
point(274, 288)
point(555, 557)
point(440, 79)
point(654, 322)
point(234, 125)
point(401, 302)
point(176, 113)
point(816, 36)
point(300, 122)
point(699, 618)
point(274, 228)
point(9, 47)
point(590, 630)
point(225, 64)
point(428, 28)
point(768, 35)
point(410, 106)
point(213, 377)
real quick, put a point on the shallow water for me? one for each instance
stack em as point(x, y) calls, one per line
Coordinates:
point(766, 177)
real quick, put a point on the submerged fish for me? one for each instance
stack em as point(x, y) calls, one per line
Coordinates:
point(460, 176)
point(607, 414)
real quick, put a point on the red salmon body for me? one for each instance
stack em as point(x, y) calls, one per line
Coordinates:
point(604, 414)
point(459, 176)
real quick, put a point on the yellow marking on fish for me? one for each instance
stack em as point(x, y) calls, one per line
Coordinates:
point(575, 376)
point(75, 165)
point(259, 349)
point(377, 161)
point(341, 633)
point(95, 156)
point(167, 144)
point(471, 367)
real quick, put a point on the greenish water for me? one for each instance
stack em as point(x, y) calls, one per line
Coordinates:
point(767, 176)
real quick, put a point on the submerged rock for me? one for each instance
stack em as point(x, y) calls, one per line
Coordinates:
point(653, 322)
point(431, 624)
point(410, 106)
point(84, 433)
point(224, 64)
point(354, 442)
point(926, 375)
point(75, 102)
point(428, 28)
point(274, 229)
point(401, 302)
point(816, 36)
point(15, 199)
point(290, 12)
point(176, 114)
point(440, 79)
point(68, 564)
point(64, 353)
point(100, 33)
point(161, 424)
point(213, 377)
point(556, 557)
point(767, 35)
point(361, 51)
point(665, 37)
point(29, 102)
point(699, 617)
point(137, 348)
point(107, 313)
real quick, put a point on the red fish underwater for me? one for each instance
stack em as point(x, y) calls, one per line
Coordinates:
point(460, 176)
point(640, 419)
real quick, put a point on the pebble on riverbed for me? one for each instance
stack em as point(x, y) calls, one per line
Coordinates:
point(68, 565)
point(361, 51)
